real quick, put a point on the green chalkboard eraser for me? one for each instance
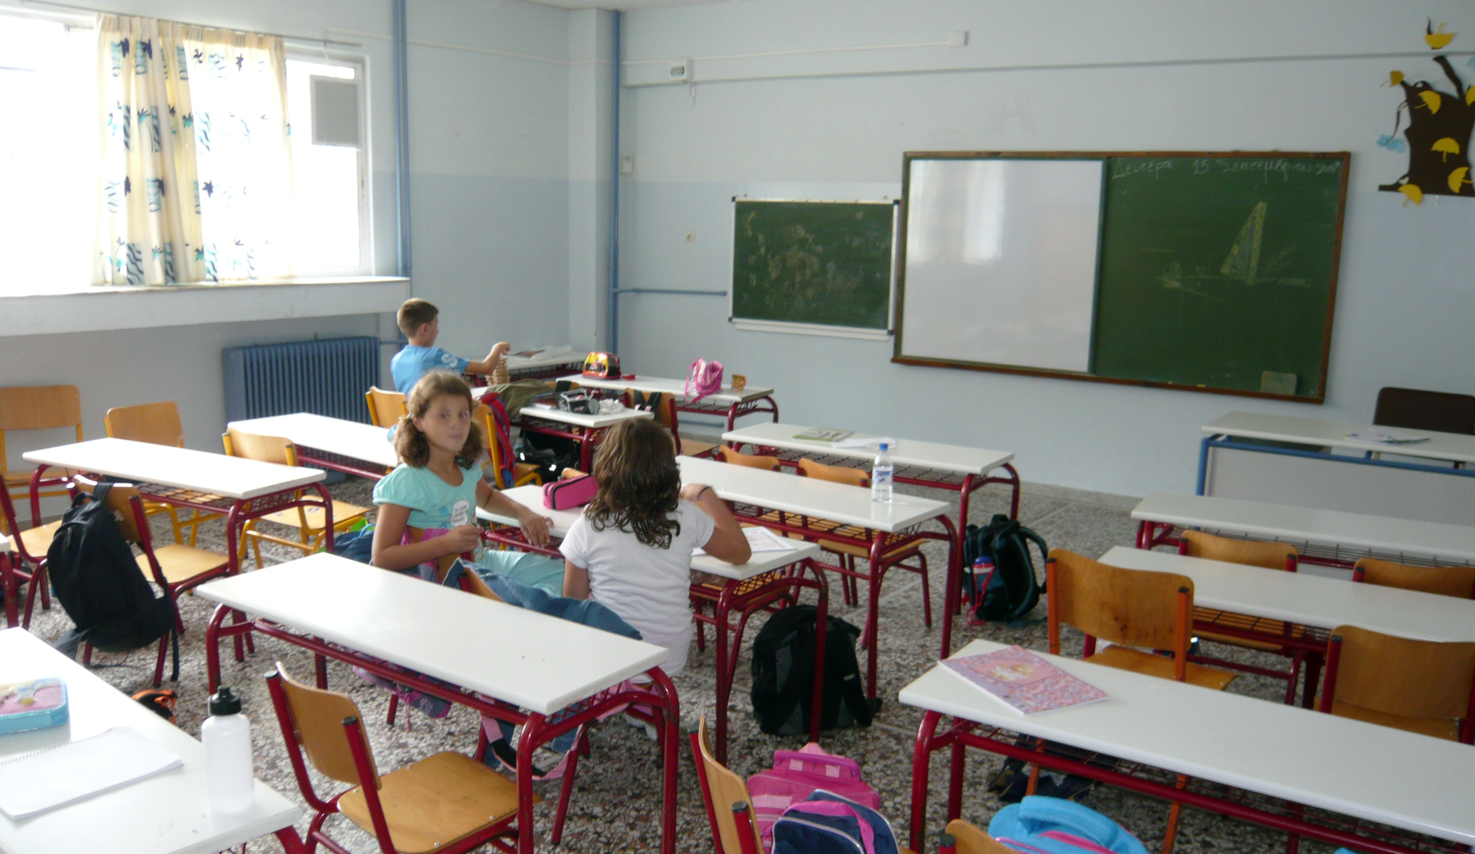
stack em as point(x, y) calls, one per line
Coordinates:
point(1274, 382)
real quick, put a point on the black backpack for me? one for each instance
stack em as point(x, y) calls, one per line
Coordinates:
point(783, 674)
point(98, 583)
point(1014, 590)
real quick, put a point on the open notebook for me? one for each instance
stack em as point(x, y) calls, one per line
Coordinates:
point(47, 779)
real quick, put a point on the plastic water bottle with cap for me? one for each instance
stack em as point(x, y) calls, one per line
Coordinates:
point(226, 735)
point(882, 472)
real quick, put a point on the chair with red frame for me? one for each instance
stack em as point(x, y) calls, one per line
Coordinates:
point(1427, 687)
point(446, 803)
point(966, 838)
point(175, 567)
point(28, 548)
point(1134, 610)
point(50, 407)
point(1457, 581)
point(492, 416)
point(729, 806)
point(157, 424)
point(1273, 556)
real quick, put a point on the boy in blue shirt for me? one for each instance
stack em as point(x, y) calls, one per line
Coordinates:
point(420, 322)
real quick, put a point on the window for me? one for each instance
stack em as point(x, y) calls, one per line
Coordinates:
point(330, 175)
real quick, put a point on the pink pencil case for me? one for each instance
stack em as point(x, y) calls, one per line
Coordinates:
point(37, 704)
point(571, 493)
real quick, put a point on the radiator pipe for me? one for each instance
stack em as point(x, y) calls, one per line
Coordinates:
point(402, 135)
point(613, 298)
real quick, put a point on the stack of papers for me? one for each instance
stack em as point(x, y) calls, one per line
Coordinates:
point(762, 540)
point(823, 434)
point(62, 775)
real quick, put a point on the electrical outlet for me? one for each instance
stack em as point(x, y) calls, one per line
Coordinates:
point(681, 70)
point(627, 164)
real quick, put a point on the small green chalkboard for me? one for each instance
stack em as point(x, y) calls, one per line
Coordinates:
point(813, 266)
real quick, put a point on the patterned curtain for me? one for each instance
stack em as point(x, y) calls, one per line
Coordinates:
point(197, 166)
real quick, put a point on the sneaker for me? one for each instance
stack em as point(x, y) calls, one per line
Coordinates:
point(650, 730)
point(501, 754)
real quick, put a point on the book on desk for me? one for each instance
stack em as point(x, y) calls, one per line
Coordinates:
point(1024, 681)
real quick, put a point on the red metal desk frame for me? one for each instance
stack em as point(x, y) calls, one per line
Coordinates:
point(1235, 803)
point(536, 729)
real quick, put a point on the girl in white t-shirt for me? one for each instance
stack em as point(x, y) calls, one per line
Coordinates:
point(631, 548)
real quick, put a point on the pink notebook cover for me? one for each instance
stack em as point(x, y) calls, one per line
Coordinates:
point(1025, 681)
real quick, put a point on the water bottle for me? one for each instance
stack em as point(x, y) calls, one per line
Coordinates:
point(226, 734)
point(881, 475)
point(983, 573)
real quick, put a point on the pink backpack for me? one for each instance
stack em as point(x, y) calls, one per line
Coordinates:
point(795, 775)
point(703, 379)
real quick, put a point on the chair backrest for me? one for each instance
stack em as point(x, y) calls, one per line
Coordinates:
point(475, 584)
point(488, 420)
point(723, 788)
point(1457, 581)
point(837, 474)
point(731, 455)
point(316, 723)
point(156, 423)
point(126, 505)
point(973, 840)
point(385, 407)
point(263, 449)
point(1398, 676)
point(1247, 552)
point(1425, 410)
point(1131, 607)
point(41, 407)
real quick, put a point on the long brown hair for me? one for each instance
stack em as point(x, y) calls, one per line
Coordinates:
point(639, 483)
point(412, 446)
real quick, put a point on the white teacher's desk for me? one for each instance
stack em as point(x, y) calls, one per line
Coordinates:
point(727, 401)
point(167, 813)
point(331, 443)
point(1311, 462)
point(766, 578)
point(355, 613)
point(1273, 759)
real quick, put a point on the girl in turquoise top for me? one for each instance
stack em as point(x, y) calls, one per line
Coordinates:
point(438, 485)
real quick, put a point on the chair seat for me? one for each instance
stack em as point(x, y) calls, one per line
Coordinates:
point(342, 512)
point(181, 563)
point(865, 552)
point(1243, 622)
point(36, 541)
point(435, 802)
point(693, 448)
point(1161, 666)
point(1448, 730)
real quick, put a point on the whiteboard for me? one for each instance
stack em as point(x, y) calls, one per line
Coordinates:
point(1000, 261)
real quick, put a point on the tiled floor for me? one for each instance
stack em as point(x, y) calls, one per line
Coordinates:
point(617, 797)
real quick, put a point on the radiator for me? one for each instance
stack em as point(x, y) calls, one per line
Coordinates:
point(326, 377)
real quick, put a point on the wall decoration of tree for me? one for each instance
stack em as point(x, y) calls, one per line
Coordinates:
point(1438, 132)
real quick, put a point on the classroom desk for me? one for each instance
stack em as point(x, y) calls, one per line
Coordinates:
point(582, 428)
point(355, 613)
point(1421, 484)
point(752, 400)
point(167, 813)
point(547, 364)
point(331, 443)
point(763, 580)
point(1324, 537)
point(831, 512)
point(1266, 753)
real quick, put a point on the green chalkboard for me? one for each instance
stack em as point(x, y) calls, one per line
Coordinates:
point(1217, 269)
point(813, 265)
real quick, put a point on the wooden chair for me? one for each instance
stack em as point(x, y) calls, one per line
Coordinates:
point(523, 473)
point(157, 424)
point(755, 461)
point(28, 548)
point(308, 521)
point(385, 407)
point(1130, 608)
point(968, 839)
point(1425, 687)
point(1425, 410)
point(729, 807)
point(446, 803)
point(174, 567)
point(665, 415)
point(49, 407)
point(1457, 581)
point(851, 554)
point(1277, 556)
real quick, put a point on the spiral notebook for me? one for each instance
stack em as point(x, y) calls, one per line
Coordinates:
point(1026, 682)
point(47, 779)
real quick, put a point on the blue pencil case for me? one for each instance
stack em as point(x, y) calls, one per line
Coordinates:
point(37, 704)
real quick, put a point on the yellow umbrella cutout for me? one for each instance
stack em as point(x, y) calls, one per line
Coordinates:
point(1432, 100)
point(1438, 38)
point(1414, 194)
point(1457, 179)
point(1446, 147)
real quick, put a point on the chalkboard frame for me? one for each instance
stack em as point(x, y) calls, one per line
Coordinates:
point(1107, 156)
point(878, 333)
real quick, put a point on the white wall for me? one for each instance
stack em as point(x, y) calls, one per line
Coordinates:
point(776, 112)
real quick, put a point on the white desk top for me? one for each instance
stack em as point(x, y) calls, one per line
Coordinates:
point(1315, 431)
point(333, 435)
point(522, 657)
point(1434, 540)
point(674, 388)
point(579, 419)
point(168, 812)
point(822, 499)
point(532, 498)
point(1310, 600)
point(201, 471)
point(906, 452)
point(1358, 769)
